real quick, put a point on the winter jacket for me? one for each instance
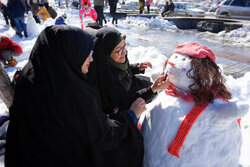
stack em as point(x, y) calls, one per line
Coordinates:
point(7, 43)
point(52, 12)
point(16, 8)
point(43, 11)
point(148, 2)
point(167, 8)
point(141, 4)
point(60, 21)
point(88, 13)
point(132, 84)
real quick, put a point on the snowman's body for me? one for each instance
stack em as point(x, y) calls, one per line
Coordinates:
point(214, 139)
point(32, 27)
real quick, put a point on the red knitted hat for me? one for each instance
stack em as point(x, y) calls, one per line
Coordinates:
point(88, 1)
point(195, 50)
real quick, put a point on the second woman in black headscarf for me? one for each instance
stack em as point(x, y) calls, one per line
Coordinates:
point(56, 118)
point(117, 79)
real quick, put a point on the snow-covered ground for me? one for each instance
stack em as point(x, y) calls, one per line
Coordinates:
point(238, 37)
point(240, 87)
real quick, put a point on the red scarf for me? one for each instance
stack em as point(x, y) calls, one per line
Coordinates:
point(189, 120)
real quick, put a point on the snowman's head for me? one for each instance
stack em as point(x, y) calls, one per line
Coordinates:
point(192, 68)
point(30, 15)
point(177, 68)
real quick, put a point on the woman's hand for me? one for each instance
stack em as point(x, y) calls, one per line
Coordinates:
point(160, 83)
point(145, 65)
point(138, 106)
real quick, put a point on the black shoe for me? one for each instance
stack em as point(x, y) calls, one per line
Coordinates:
point(105, 21)
point(26, 35)
point(116, 21)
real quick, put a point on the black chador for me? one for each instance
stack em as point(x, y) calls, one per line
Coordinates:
point(56, 119)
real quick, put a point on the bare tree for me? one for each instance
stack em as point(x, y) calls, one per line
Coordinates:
point(6, 90)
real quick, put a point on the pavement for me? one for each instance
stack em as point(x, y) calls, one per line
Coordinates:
point(236, 66)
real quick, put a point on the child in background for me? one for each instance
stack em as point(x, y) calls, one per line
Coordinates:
point(9, 49)
point(43, 11)
point(87, 12)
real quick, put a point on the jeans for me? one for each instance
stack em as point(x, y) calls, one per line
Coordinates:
point(20, 22)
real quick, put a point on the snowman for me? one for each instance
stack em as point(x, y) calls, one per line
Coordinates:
point(193, 123)
point(32, 27)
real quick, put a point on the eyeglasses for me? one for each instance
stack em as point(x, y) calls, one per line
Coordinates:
point(90, 57)
point(124, 48)
point(85, 3)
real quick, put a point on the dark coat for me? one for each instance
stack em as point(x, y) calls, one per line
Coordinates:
point(118, 89)
point(56, 119)
point(132, 86)
point(16, 8)
point(167, 8)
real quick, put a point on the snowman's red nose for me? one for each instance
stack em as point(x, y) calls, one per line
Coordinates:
point(172, 64)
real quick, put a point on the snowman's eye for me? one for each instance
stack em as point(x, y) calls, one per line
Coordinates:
point(176, 57)
point(183, 59)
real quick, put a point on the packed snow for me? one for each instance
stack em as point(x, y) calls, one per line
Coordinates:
point(240, 87)
point(214, 138)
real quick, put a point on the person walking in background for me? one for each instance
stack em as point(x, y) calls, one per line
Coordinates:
point(27, 8)
point(34, 6)
point(113, 6)
point(43, 11)
point(98, 6)
point(56, 117)
point(5, 12)
point(8, 18)
point(148, 3)
point(17, 10)
point(141, 6)
point(8, 50)
point(45, 3)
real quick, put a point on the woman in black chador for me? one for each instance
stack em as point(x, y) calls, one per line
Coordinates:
point(56, 119)
point(117, 79)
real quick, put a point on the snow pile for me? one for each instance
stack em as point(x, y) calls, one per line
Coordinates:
point(143, 22)
point(239, 35)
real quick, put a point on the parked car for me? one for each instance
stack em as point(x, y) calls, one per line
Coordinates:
point(213, 8)
point(186, 9)
point(234, 8)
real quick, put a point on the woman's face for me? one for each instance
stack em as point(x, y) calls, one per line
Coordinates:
point(85, 66)
point(119, 52)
